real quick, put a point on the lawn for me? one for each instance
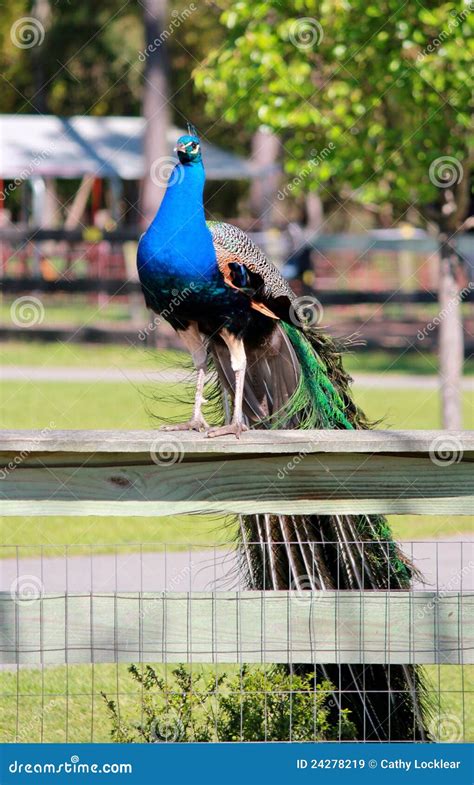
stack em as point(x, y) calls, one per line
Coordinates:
point(92, 355)
point(139, 357)
point(72, 708)
point(130, 405)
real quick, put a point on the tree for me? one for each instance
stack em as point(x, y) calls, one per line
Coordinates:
point(371, 101)
point(155, 107)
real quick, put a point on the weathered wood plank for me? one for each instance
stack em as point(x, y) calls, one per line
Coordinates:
point(153, 473)
point(235, 627)
point(312, 483)
point(94, 444)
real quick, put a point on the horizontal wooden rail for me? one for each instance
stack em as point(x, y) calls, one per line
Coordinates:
point(233, 627)
point(156, 473)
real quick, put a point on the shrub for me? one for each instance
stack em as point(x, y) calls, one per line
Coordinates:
point(252, 705)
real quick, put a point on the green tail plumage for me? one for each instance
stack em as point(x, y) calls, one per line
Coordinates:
point(316, 399)
point(346, 552)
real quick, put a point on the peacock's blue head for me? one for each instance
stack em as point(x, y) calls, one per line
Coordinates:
point(188, 148)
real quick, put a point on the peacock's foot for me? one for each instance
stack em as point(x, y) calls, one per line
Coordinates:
point(233, 429)
point(194, 424)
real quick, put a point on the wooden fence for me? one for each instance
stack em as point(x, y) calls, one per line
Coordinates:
point(152, 473)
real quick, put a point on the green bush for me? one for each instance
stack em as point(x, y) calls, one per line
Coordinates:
point(252, 705)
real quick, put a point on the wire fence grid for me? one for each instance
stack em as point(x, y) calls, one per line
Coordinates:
point(91, 645)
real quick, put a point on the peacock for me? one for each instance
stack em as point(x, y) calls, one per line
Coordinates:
point(233, 310)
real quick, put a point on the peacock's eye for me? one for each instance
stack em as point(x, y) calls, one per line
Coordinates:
point(193, 145)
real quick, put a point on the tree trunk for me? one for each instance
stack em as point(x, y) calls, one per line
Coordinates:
point(155, 109)
point(451, 339)
point(41, 11)
point(263, 189)
point(314, 212)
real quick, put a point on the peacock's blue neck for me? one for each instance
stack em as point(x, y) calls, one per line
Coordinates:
point(178, 241)
point(183, 201)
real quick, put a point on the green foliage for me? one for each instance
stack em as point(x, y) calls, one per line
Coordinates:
point(389, 84)
point(253, 705)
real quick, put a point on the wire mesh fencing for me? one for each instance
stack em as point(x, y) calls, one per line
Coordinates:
point(176, 644)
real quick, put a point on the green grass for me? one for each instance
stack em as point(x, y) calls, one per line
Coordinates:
point(81, 310)
point(406, 362)
point(73, 709)
point(124, 406)
point(80, 355)
point(139, 357)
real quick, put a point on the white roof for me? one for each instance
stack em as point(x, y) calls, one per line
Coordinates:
point(68, 147)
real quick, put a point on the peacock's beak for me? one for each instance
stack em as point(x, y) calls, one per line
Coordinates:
point(181, 148)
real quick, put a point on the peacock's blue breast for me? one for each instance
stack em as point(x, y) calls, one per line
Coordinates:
point(186, 257)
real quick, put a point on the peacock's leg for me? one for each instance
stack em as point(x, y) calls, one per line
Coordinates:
point(239, 364)
point(195, 344)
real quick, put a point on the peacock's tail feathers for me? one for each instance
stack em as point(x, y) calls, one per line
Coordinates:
point(296, 379)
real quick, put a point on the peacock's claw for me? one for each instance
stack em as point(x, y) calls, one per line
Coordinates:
point(232, 429)
point(194, 424)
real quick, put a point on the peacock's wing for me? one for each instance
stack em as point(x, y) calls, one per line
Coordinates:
point(245, 267)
